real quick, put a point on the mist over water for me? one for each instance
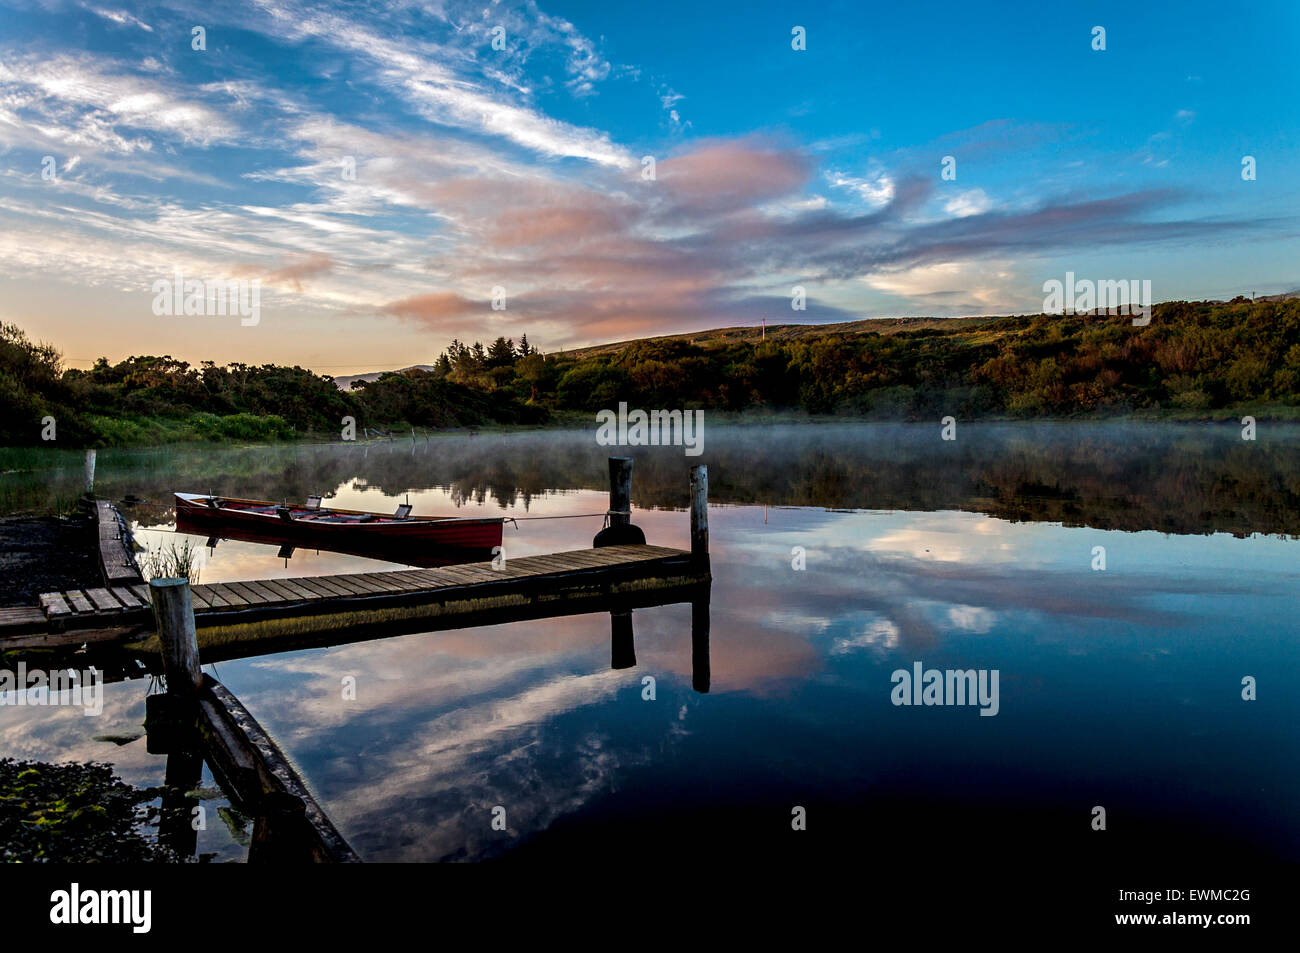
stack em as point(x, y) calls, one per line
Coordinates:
point(1178, 478)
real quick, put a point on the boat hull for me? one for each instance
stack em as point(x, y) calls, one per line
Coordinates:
point(337, 530)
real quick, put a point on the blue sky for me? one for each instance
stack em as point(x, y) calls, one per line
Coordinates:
point(521, 168)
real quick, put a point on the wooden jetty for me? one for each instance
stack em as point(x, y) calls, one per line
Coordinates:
point(233, 618)
point(230, 614)
point(171, 627)
point(198, 720)
point(116, 559)
point(117, 569)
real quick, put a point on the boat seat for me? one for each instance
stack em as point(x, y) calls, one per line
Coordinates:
point(403, 512)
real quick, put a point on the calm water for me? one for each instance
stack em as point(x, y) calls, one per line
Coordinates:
point(1120, 688)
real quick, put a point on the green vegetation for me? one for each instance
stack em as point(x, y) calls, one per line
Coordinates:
point(74, 813)
point(1195, 360)
point(153, 400)
point(174, 561)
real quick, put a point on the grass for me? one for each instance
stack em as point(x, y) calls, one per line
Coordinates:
point(133, 430)
point(174, 561)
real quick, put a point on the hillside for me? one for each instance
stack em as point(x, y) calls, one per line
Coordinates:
point(788, 332)
point(1194, 360)
point(345, 382)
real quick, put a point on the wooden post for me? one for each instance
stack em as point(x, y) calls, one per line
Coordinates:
point(278, 830)
point(173, 609)
point(184, 773)
point(700, 671)
point(700, 511)
point(90, 473)
point(620, 491)
point(620, 531)
point(622, 643)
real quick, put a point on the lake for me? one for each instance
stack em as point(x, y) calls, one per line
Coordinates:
point(1121, 581)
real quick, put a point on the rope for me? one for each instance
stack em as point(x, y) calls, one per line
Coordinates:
point(564, 516)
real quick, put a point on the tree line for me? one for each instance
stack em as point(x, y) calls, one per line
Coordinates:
point(1193, 359)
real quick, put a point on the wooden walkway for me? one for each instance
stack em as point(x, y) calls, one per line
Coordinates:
point(116, 561)
point(560, 583)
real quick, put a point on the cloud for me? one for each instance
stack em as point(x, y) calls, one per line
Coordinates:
point(421, 73)
point(434, 307)
point(71, 101)
point(970, 202)
point(876, 190)
point(961, 288)
point(462, 182)
point(294, 273)
point(121, 18)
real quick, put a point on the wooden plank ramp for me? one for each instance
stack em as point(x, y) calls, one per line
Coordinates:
point(226, 610)
point(116, 560)
point(252, 767)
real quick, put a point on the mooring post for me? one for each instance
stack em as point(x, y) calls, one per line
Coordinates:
point(700, 511)
point(620, 491)
point(621, 641)
point(700, 671)
point(90, 473)
point(173, 608)
point(278, 828)
point(184, 773)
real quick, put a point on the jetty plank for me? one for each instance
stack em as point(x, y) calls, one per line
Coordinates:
point(232, 598)
point(103, 601)
point(261, 586)
point(21, 619)
point(128, 598)
point(206, 593)
point(355, 583)
point(402, 580)
point(78, 601)
point(200, 598)
point(54, 605)
point(250, 592)
point(287, 591)
point(378, 580)
point(322, 590)
point(116, 560)
point(343, 585)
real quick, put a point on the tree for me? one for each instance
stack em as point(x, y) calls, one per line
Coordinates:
point(501, 353)
point(531, 369)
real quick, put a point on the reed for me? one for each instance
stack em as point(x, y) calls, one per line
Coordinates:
point(173, 561)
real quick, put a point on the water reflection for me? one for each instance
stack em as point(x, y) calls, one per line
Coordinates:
point(1118, 687)
point(1110, 681)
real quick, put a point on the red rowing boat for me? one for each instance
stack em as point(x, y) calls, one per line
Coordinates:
point(334, 529)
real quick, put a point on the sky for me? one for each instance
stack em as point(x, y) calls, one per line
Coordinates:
point(389, 172)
